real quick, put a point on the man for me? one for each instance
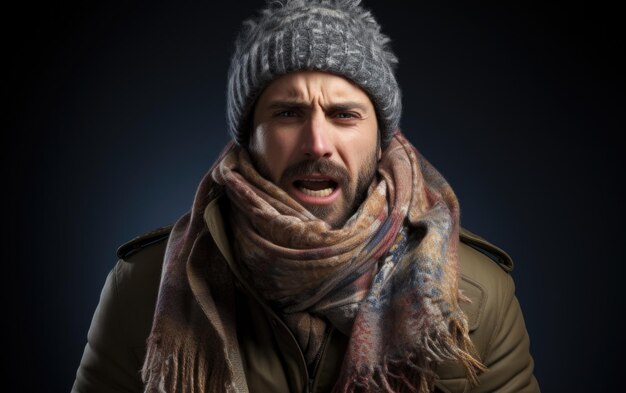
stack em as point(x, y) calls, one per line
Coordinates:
point(322, 251)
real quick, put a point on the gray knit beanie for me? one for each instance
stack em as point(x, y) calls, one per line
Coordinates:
point(336, 36)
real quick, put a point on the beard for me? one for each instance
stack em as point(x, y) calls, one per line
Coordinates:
point(353, 192)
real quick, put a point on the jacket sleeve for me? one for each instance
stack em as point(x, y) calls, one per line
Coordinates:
point(508, 358)
point(110, 361)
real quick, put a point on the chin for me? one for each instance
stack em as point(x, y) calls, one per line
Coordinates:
point(336, 221)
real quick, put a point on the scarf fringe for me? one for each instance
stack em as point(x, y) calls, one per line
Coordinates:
point(164, 373)
point(413, 372)
point(408, 375)
point(463, 350)
point(187, 370)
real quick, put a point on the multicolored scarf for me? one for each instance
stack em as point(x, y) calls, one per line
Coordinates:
point(388, 278)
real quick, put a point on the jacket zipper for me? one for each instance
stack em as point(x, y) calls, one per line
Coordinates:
point(318, 357)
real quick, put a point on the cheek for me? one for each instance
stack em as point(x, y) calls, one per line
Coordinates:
point(358, 153)
point(274, 150)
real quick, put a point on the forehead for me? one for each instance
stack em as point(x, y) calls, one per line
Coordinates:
point(309, 85)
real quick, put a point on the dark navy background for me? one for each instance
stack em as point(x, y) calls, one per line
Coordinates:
point(115, 112)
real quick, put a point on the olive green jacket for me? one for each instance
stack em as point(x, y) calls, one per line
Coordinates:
point(273, 361)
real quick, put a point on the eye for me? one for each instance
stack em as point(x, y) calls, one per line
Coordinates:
point(286, 114)
point(346, 115)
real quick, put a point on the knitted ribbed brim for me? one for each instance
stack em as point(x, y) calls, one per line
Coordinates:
point(335, 36)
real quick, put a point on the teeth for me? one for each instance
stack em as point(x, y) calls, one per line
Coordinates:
point(317, 193)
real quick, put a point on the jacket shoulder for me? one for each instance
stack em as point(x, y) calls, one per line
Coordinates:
point(493, 252)
point(116, 344)
point(143, 241)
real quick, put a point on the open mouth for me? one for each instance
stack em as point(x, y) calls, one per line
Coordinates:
point(316, 187)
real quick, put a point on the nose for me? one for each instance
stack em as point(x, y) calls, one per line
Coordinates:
point(316, 137)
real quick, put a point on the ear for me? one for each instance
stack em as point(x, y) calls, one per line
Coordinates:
point(379, 153)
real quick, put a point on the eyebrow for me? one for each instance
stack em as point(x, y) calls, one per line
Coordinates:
point(335, 107)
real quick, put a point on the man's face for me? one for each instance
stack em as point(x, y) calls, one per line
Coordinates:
point(315, 135)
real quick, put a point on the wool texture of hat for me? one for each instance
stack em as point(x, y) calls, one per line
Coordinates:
point(336, 36)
